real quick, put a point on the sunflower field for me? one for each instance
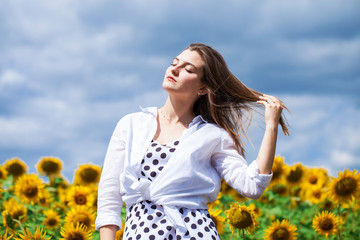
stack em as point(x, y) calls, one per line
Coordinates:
point(300, 203)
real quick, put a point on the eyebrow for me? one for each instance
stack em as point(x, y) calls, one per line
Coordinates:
point(175, 58)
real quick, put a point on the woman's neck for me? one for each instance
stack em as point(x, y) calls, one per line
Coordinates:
point(175, 111)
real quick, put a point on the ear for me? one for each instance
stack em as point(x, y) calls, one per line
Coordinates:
point(203, 91)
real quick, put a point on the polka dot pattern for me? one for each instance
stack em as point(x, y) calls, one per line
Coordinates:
point(145, 220)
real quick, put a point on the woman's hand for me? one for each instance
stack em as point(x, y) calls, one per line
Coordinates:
point(273, 109)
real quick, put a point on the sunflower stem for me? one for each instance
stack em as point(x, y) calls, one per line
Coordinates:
point(243, 234)
point(339, 233)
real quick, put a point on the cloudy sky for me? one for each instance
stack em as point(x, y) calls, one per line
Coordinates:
point(69, 70)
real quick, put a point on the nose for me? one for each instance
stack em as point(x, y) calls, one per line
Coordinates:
point(175, 71)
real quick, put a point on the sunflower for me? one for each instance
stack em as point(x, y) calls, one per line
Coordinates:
point(120, 233)
point(28, 188)
point(241, 217)
point(280, 188)
point(295, 174)
point(81, 214)
point(316, 177)
point(38, 235)
point(327, 204)
point(16, 210)
point(15, 167)
point(87, 174)
point(52, 219)
point(49, 166)
point(257, 212)
point(3, 173)
point(326, 223)
point(45, 197)
point(80, 195)
point(78, 232)
point(345, 187)
point(218, 220)
point(314, 195)
point(281, 231)
point(278, 169)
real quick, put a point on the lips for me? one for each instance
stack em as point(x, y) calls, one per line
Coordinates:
point(171, 79)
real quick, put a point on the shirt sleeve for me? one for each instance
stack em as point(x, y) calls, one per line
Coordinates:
point(234, 169)
point(110, 202)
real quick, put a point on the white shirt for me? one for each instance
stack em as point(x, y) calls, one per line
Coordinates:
point(191, 178)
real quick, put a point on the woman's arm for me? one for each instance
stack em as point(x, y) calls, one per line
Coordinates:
point(108, 232)
point(273, 109)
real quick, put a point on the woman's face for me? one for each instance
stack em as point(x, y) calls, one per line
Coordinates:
point(183, 76)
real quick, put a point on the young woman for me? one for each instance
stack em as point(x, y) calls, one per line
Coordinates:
point(166, 164)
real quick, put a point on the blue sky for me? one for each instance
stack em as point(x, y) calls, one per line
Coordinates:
point(69, 70)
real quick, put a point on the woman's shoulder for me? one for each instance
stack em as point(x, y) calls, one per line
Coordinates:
point(148, 113)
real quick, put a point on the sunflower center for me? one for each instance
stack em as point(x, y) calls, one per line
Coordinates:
point(89, 175)
point(313, 179)
point(295, 175)
point(281, 234)
point(2, 175)
point(50, 167)
point(276, 172)
point(17, 214)
point(241, 219)
point(16, 169)
point(280, 189)
point(51, 222)
point(31, 191)
point(75, 236)
point(345, 186)
point(83, 219)
point(80, 199)
point(326, 224)
point(317, 194)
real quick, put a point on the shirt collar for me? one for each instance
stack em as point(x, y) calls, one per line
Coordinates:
point(153, 111)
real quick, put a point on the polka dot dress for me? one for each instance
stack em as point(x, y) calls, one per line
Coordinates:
point(146, 220)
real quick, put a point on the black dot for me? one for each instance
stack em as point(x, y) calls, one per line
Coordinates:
point(163, 221)
point(171, 237)
point(193, 226)
point(151, 237)
point(207, 229)
point(168, 228)
point(158, 149)
point(161, 168)
point(187, 219)
point(153, 206)
point(212, 224)
point(153, 174)
point(141, 224)
point(154, 226)
point(159, 214)
point(161, 232)
point(176, 143)
point(146, 230)
point(200, 234)
point(142, 162)
point(156, 162)
point(172, 150)
point(181, 211)
point(145, 211)
point(200, 221)
point(149, 155)
point(154, 144)
point(193, 213)
point(142, 173)
point(147, 167)
point(163, 155)
point(213, 237)
point(133, 226)
point(178, 237)
point(138, 236)
point(150, 217)
point(192, 238)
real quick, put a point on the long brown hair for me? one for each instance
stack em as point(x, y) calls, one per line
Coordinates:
point(228, 101)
